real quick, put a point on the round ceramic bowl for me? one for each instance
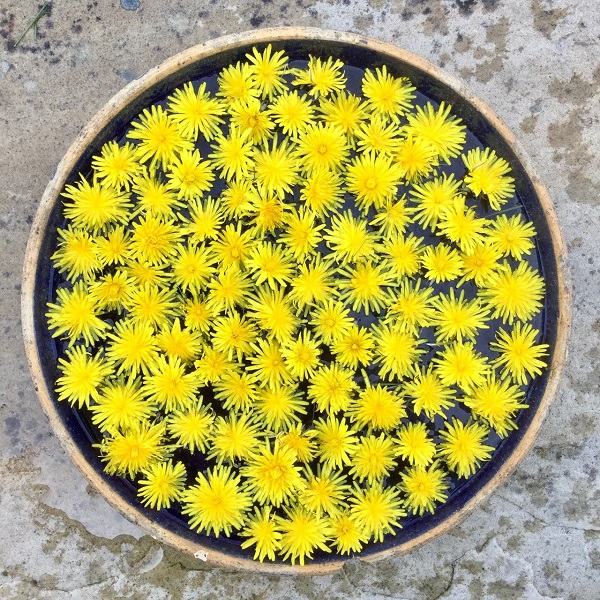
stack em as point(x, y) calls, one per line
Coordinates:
point(204, 60)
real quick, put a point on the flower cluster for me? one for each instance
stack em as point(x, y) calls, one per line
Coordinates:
point(292, 285)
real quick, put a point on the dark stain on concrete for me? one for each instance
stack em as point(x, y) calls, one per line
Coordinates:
point(577, 90)
point(528, 123)
point(546, 20)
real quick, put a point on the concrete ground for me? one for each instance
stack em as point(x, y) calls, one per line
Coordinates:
point(536, 62)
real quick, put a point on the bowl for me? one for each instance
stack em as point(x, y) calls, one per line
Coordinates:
point(205, 59)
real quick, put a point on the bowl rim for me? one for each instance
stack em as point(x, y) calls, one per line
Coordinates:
point(104, 116)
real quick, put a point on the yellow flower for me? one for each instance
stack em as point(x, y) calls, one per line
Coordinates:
point(77, 254)
point(151, 304)
point(462, 447)
point(270, 263)
point(302, 355)
point(132, 346)
point(197, 314)
point(163, 484)
point(276, 168)
point(336, 442)
point(237, 82)
point(254, 123)
point(520, 356)
point(514, 294)
point(403, 254)
point(488, 175)
point(376, 510)
point(322, 77)
point(268, 213)
point(301, 442)
point(196, 112)
point(461, 226)
point(457, 318)
point(154, 196)
point(331, 388)
point(110, 292)
point(373, 179)
point(93, 207)
point(134, 450)
point(193, 267)
point(345, 111)
point(216, 503)
point(362, 286)
point(373, 459)
point(279, 406)
point(354, 347)
point(479, 264)
point(233, 245)
point(321, 146)
point(330, 321)
point(325, 491)
point(169, 385)
point(230, 288)
point(274, 314)
point(81, 376)
point(213, 365)
point(428, 393)
point(232, 155)
point(348, 536)
point(377, 407)
point(396, 350)
point(378, 136)
point(512, 236)
point(292, 112)
point(233, 334)
point(271, 475)
point(416, 157)
point(441, 263)
point(234, 438)
point(268, 69)
point(445, 133)
point(117, 166)
point(266, 361)
point(301, 234)
point(205, 220)
point(263, 532)
point(432, 197)
point(460, 364)
point(120, 405)
point(322, 191)
point(177, 342)
point(423, 488)
point(415, 445)
point(314, 283)
point(192, 427)
point(159, 136)
point(114, 248)
point(189, 175)
point(153, 240)
point(301, 534)
point(496, 402)
point(409, 306)
point(393, 218)
point(386, 95)
point(75, 315)
point(236, 391)
point(350, 238)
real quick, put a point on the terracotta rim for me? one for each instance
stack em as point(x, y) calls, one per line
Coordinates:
point(104, 116)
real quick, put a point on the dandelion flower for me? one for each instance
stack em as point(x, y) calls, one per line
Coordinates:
point(276, 168)
point(135, 450)
point(163, 484)
point(233, 334)
point(487, 174)
point(120, 405)
point(132, 346)
point(336, 442)
point(153, 240)
point(236, 391)
point(81, 376)
point(346, 534)
point(457, 318)
point(151, 304)
point(331, 388)
point(331, 320)
point(110, 292)
point(234, 438)
point(232, 155)
point(301, 442)
point(213, 365)
point(216, 503)
point(424, 487)
point(514, 294)
point(271, 475)
point(403, 254)
point(378, 408)
point(325, 491)
point(268, 213)
point(235, 199)
point(205, 220)
point(292, 112)
point(77, 255)
point(192, 427)
point(461, 226)
point(462, 447)
point(75, 315)
point(196, 112)
point(262, 532)
point(416, 157)
point(441, 263)
point(376, 510)
point(322, 191)
point(321, 146)
point(393, 217)
point(117, 166)
point(159, 136)
point(386, 95)
point(414, 444)
point(322, 77)
point(363, 286)
point(350, 238)
point(279, 406)
point(114, 248)
point(373, 459)
point(429, 395)
point(479, 264)
point(93, 207)
point(377, 135)
point(198, 316)
point(373, 179)
point(354, 347)
point(396, 350)
point(301, 234)
point(520, 356)
point(302, 355)
point(266, 361)
point(268, 69)
point(274, 314)
point(301, 534)
point(169, 385)
point(444, 132)
point(251, 120)
point(270, 263)
point(237, 83)
point(189, 175)
point(154, 197)
point(460, 364)
point(233, 245)
point(345, 111)
point(177, 342)
point(314, 283)
point(512, 236)
point(409, 306)
point(432, 197)
point(193, 267)
point(228, 289)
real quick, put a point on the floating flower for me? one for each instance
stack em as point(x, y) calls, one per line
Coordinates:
point(190, 175)
point(273, 313)
point(363, 286)
point(321, 147)
point(348, 536)
point(331, 320)
point(322, 77)
point(393, 218)
point(77, 254)
point(410, 306)
point(234, 438)
point(377, 135)
point(192, 427)
point(233, 335)
point(433, 197)
point(354, 346)
point(237, 83)
point(262, 532)
point(424, 487)
point(396, 350)
point(377, 408)
point(349, 238)
point(428, 393)
point(373, 459)
point(457, 318)
point(313, 283)
point(268, 69)
point(267, 363)
point(278, 406)
point(275, 168)
point(461, 226)
point(154, 197)
point(193, 267)
point(479, 264)
point(132, 346)
point(441, 263)
point(116, 165)
point(345, 111)
point(151, 304)
point(331, 388)
point(416, 157)
point(292, 112)
point(301, 356)
point(325, 491)
point(232, 155)
point(460, 364)
point(236, 391)
point(301, 534)
point(163, 484)
point(251, 120)
point(111, 292)
point(153, 240)
point(512, 236)
point(403, 254)
point(386, 95)
point(415, 445)
point(336, 442)
point(488, 176)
